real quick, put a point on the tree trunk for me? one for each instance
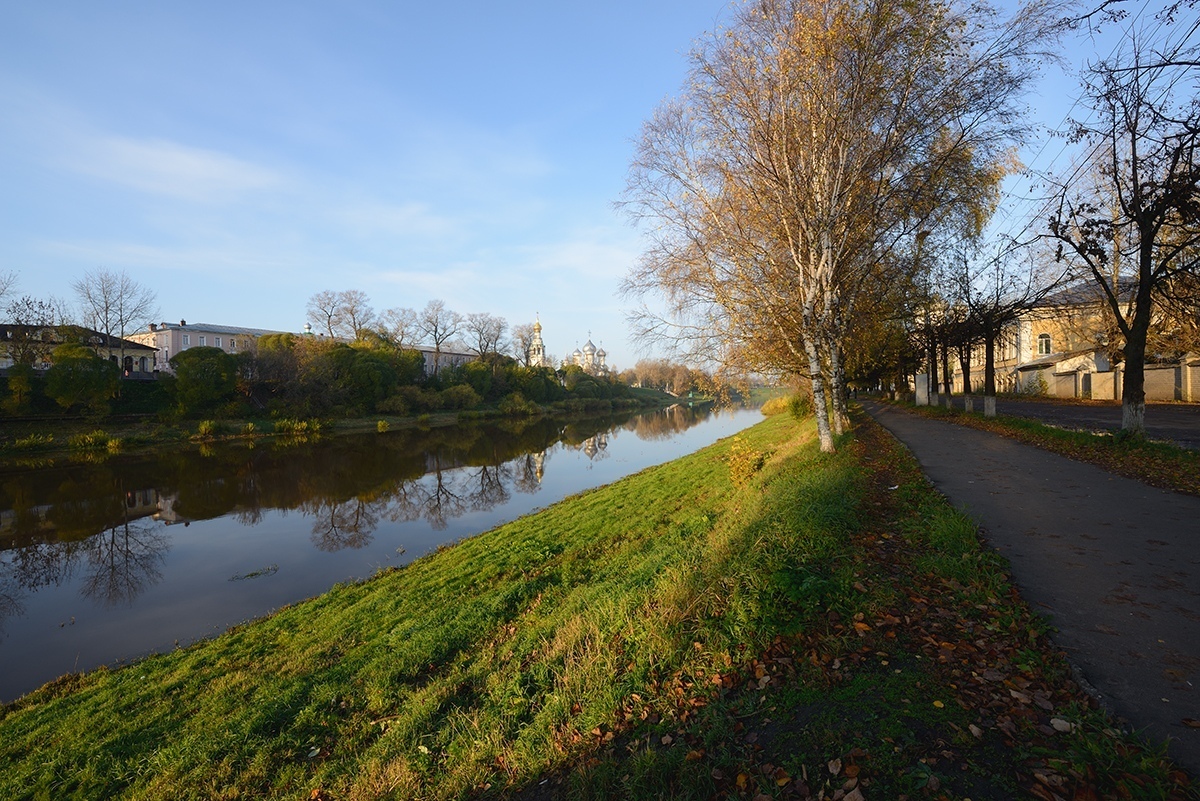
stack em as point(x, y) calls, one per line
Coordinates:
point(820, 405)
point(964, 361)
point(947, 378)
point(989, 372)
point(933, 370)
point(1133, 383)
point(837, 390)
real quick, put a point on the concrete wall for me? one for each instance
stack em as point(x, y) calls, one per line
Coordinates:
point(1164, 383)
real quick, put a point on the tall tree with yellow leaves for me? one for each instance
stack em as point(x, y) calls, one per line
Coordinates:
point(812, 138)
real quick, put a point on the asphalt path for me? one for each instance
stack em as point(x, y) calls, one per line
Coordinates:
point(1173, 422)
point(1113, 563)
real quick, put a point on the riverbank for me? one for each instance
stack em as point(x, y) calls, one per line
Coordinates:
point(30, 441)
point(756, 617)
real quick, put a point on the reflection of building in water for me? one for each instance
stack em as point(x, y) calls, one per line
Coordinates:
point(38, 519)
point(166, 513)
point(539, 464)
point(594, 445)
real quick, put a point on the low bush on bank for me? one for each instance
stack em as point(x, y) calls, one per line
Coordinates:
point(288, 425)
point(33, 442)
point(90, 441)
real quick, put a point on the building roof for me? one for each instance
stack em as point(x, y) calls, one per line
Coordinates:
point(213, 328)
point(1082, 294)
point(73, 333)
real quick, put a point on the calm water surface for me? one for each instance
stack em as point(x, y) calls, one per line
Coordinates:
point(110, 561)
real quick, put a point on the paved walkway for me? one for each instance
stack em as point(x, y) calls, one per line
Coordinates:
point(1113, 563)
point(1174, 422)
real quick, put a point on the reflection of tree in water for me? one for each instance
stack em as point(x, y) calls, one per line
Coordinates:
point(122, 561)
point(529, 471)
point(444, 500)
point(488, 487)
point(29, 567)
point(449, 492)
point(666, 423)
point(348, 524)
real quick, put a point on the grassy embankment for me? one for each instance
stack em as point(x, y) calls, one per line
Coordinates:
point(756, 618)
point(1160, 464)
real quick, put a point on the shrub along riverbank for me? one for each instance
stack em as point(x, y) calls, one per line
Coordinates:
point(756, 618)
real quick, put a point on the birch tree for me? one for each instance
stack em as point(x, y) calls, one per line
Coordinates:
point(355, 315)
point(812, 137)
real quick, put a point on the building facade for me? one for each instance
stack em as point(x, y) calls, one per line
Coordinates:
point(167, 339)
point(1062, 348)
point(33, 345)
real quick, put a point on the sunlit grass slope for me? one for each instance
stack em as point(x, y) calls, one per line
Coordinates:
point(484, 663)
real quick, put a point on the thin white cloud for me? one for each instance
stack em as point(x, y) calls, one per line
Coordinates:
point(405, 219)
point(162, 167)
point(205, 260)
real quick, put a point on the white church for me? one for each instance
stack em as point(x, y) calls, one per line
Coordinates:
point(590, 358)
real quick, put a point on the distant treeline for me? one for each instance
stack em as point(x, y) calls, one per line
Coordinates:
point(289, 375)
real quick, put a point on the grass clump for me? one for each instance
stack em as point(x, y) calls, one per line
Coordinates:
point(33, 442)
point(297, 426)
point(90, 441)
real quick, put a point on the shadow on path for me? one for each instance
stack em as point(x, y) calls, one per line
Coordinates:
point(1113, 563)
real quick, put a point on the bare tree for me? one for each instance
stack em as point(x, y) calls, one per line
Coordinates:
point(30, 318)
point(522, 341)
point(485, 332)
point(8, 282)
point(355, 314)
point(114, 304)
point(400, 326)
point(1131, 223)
point(438, 325)
point(324, 311)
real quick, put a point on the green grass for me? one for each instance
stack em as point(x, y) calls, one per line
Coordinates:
point(624, 643)
point(1160, 464)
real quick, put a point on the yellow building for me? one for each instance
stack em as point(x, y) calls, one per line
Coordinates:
point(1063, 347)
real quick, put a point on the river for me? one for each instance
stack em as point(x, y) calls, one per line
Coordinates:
point(105, 561)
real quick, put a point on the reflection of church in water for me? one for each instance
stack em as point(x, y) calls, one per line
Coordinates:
point(595, 445)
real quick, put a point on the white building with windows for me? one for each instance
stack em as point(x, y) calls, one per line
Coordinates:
point(167, 339)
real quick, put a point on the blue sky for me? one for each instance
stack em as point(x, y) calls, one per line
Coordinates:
point(237, 158)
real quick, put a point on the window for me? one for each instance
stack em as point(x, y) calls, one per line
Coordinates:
point(187, 339)
point(233, 344)
point(202, 339)
point(1044, 344)
point(217, 341)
